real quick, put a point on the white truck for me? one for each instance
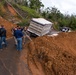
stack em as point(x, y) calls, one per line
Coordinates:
point(39, 26)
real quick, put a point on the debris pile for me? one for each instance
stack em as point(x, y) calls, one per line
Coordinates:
point(53, 55)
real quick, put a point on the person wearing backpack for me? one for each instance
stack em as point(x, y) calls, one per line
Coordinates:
point(2, 36)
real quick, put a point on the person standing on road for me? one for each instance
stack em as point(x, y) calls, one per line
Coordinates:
point(18, 34)
point(26, 34)
point(2, 36)
point(13, 33)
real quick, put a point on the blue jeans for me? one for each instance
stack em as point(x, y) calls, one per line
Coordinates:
point(3, 39)
point(19, 43)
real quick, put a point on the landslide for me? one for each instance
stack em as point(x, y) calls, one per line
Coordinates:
point(53, 55)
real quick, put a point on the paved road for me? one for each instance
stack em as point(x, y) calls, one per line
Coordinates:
point(54, 32)
point(11, 61)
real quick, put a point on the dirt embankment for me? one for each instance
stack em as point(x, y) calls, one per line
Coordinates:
point(8, 25)
point(53, 55)
point(12, 11)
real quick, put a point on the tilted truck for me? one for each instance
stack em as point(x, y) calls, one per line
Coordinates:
point(39, 26)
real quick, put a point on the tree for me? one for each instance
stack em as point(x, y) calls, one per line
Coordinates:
point(35, 4)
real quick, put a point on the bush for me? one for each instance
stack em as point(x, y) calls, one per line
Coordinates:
point(56, 26)
point(2, 13)
point(31, 12)
point(24, 22)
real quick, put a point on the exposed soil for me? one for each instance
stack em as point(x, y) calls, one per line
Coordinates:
point(44, 55)
point(12, 11)
point(53, 55)
point(12, 62)
point(8, 25)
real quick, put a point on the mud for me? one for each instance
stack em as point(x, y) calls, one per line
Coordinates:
point(53, 55)
point(44, 55)
point(12, 10)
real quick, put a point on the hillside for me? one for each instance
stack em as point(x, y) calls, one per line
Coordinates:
point(45, 55)
point(10, 16)
point(53, 55)
point(9, 13)
point(17, 14)
point(8, 25)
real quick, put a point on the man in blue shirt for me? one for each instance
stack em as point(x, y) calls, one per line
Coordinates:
point(18, 34)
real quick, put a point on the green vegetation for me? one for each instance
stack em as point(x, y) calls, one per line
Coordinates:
point(52, 14)
point(2, 13)
point(59, 19)
point(31, 12)
point(25, 22)
point(33, 4)
point(32, 9)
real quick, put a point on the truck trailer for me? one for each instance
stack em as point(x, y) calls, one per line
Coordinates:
point(39, 26)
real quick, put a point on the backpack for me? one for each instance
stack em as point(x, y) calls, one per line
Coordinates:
point(1, 31)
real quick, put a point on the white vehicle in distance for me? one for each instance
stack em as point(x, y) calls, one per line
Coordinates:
point(65, 29)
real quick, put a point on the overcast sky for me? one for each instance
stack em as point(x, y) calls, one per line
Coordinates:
point(65, 6)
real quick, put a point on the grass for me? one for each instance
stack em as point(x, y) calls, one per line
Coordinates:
point(31, 12)
point(2, 13)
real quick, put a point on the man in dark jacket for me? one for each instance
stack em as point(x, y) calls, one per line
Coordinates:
point(2, 36)
point(18, 34)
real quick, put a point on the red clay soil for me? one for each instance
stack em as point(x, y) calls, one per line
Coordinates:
point(44, 55)
point(53, 55)
point(8, 25)
point(13, 12)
